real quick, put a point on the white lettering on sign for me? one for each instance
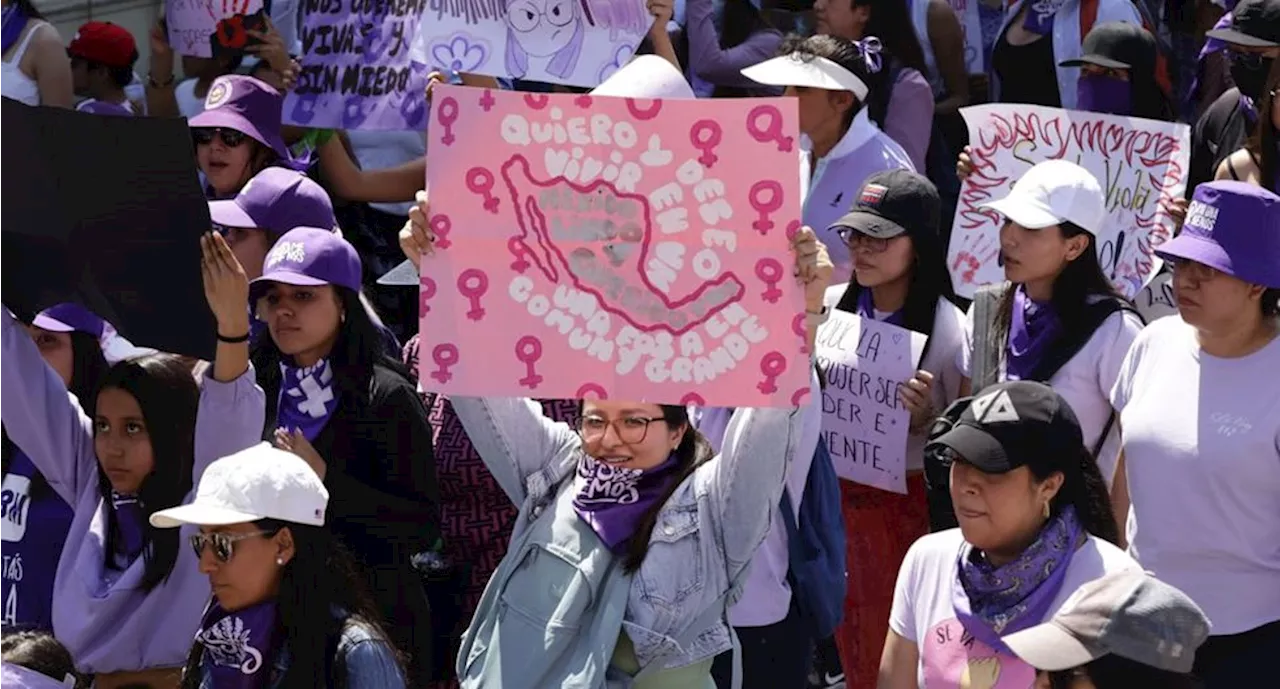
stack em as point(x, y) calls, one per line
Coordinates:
point(15, 501)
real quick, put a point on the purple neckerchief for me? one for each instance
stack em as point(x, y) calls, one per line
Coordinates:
point(1249, 108)
point(992, 602)
point(1032, 330)
point(1097, 93)
point(238, 646)
point(867, 309)
point(14, 21)
point(131, 528)
point(1040, 14)
point(612, 500)
point(1211, 45)
point(307, 398)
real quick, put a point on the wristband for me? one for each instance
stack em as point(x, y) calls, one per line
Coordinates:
point(814, 320)
point(233, 340)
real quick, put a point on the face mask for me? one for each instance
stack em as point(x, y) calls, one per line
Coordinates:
point(1250, 74)
point(1096, 93)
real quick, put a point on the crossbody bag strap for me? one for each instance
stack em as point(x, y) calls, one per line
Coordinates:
point(984, 361)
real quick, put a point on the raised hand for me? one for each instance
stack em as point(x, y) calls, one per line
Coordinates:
point(225, 285)
point(415, 237)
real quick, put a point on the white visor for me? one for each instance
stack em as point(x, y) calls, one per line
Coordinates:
point(798, 69)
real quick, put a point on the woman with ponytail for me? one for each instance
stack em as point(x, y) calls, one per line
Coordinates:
point(1035, 523)
point(126, 601)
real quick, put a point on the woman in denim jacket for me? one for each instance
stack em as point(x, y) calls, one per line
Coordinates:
point(289, 610)
point(631, 538)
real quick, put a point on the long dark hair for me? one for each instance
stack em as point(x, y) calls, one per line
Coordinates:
point(28, 8)
point(690, 454)
point(1083, 489)
point(88, 366)
point(891, 23)
point(930, 281)
point(321, 577)
point(741, 20)
point(1116, 672)
point(359, 348)
point(848, 55)
point(1080, 279)
point(169, 398)
point(38, 651)
point(1262, 145)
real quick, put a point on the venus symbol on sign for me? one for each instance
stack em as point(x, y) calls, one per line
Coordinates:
point(428, 291)
point(440, 227)
point(770, 271)
point(772, 366)
point(517, 248)
point(705, 136)
point(473, 283)
point(480, 181)
point(486, 101)
point(771, 132)
point(445, 355)
point(766, 198)
point(447, 115)
point(528, 351)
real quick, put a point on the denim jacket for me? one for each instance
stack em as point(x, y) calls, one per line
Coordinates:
point(702, 542)
point(369, 662)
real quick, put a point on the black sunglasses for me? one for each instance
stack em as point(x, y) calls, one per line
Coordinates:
point(231, 138)
point(224, 544)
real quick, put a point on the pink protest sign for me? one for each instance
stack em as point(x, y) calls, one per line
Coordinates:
point(613, 248)
point(1140, 164)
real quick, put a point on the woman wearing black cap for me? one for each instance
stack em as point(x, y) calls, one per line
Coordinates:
point(900, 277)
point(1118, 73)
point(1259, 161)
point(1035, 524)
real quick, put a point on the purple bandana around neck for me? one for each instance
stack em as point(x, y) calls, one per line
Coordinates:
point(131, 528)
point(867, 309)
point(307, 398)
point(992, 602)
point(14, 21)
point(612, 500)
point(239, 646)
point(1032, 330)
point(1040, 14)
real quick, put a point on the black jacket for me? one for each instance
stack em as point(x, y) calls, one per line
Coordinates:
point(1221, 130)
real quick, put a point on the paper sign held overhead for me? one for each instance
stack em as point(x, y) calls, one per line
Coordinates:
point(864, 422)
point(209, 28)
point(574, 42)
point(612, 248)
point(357, 71)
point(1140, 164)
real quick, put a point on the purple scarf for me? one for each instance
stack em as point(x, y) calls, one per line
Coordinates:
point(131, 529)
point(867, 309)
point(1040, 14)
point(307, 398)
point(239, 646)
point(992, 602)
point(1033, 329)
point(13, 22)
point(612, 500)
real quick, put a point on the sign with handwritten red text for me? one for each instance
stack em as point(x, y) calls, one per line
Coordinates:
point(1140, 164)
point(864, 421)
point(209, 28)
point(613, 248)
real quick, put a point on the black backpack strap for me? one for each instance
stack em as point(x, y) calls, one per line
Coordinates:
point(984, 362)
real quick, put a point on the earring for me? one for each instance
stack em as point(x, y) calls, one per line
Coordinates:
point(280, 561)
point(1046, 509)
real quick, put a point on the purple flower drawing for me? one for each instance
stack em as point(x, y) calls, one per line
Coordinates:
point(621, 56)
point(459, 53)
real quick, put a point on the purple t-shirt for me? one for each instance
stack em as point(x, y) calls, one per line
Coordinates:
point(35, 525)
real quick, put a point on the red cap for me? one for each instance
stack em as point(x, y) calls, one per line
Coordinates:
point(104, 43)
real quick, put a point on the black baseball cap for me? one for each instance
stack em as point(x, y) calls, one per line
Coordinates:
point(1254, 24)
point(892, 203)
point(1013, 424)
point(1116, 45)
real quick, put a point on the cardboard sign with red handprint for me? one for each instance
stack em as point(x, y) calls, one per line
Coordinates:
point(213, 28)
point(617, 248)
point(1141, 165)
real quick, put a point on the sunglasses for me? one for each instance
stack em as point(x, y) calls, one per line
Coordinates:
point(231, 138)
point(224, 544)
point(1245, 59)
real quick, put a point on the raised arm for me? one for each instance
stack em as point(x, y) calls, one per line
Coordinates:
point(42, 418)
point(386, 185)
point(52, 67)
point(161, 82)
point(720, 66)
point(515, 439)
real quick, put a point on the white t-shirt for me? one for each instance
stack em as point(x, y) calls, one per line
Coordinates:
point(923, 613)
point(1202, 457)
point(944, 349)
point(1085, 381)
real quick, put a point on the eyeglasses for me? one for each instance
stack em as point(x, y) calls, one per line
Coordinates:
point(231, 138)
point(224, 544)
point(1195, 270)
point(631, 430)
point(855, 239)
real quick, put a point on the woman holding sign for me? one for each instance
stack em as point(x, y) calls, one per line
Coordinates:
point(1201, 425)
point(1057, 319)
point(900, 277)
point(126, 598)
point(593, 587)
point(1035, 523)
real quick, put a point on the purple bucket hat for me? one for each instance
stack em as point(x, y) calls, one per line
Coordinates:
point(1233, 227)
point(310, 256)
point(276, 200)
point(246, 105)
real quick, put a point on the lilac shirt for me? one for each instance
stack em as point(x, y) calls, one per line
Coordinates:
point(830, 187)
point(109, 627)
point(909, 119)
point(723, 67)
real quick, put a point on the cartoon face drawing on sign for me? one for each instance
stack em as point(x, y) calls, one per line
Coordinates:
point(544, 28)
